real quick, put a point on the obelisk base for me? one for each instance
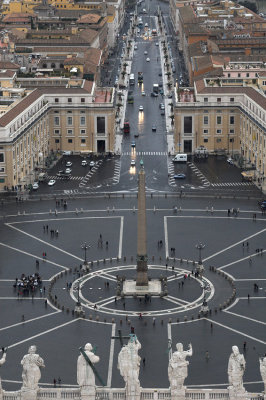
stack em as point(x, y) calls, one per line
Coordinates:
point(153, 288)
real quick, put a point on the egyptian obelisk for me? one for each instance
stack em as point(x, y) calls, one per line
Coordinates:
point(142, 266)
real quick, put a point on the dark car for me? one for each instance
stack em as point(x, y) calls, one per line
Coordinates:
point(154, 94)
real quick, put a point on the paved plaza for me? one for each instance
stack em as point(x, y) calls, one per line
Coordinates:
point(46, 317)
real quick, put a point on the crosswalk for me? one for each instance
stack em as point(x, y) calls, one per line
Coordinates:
point(145, 153)
point(199, 174)
point(87, 177)
point(117, 171)
point(224, 184)
point(72, 178)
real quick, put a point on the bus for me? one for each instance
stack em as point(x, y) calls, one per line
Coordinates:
point(131, 80)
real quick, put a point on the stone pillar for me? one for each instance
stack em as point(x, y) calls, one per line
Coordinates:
point(142, 267)
point(178, 394)
point(87, 393)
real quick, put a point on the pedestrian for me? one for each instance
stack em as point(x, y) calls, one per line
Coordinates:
point(211, 326)
point(95, 306)
point(248, 297)
point(207, 356)
point(106, 244)
point(244, 346)
point(153, 320)
point(22, 318)
point(144, 361)
point(54, 382)
point(140, 316)
point(124, 305)
point(44, 228)
point(59, 381)
point(247, 244)
point(37, 263)
point(243, 244)
point(228, 212)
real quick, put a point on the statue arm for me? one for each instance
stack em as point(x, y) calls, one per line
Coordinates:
point(3, 359)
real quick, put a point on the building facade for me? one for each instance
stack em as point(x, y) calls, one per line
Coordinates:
point(52, 120)
point(229, 120)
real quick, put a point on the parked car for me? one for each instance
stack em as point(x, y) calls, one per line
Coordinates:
point(35, 186)
point(161, 106)
point(84, 163)
point(92, 164)
point(51, 182)
point(230, 161)
point(179, 176)
point(154, 94)
point(68, 171)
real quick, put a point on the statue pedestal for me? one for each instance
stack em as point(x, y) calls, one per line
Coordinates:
point(237, 393)
point(133, 393)
point(87, 392)
point(79, 311)
point(178, 394)
point(29, 394)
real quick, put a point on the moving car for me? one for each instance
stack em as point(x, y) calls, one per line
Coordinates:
point(35, 186)
point(133, 163)
point(68, 171)
point(145, 52)
point(179, 176)
point(161, 106)
point(141, 108)
point(156, 44)
point(84, 163)
point(92, 163)
point(143, 93)
point(135, 47)
point(133, 144)
point(51, 182)
point(230, 161)
point(148, 59)
point(68, 164)
point(154, 94)
point(153, 128)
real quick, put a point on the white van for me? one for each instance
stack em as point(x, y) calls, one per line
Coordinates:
point(180, 158)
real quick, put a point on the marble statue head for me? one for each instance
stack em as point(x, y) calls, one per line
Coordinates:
point(88, 346)
point(235, 350)
point(32, 349)
point(179, 347)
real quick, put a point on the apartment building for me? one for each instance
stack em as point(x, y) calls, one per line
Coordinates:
point(224, 119)
point(51, 120)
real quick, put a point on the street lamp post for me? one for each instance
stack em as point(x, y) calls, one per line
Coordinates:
point(200, 247)
point(85, 247)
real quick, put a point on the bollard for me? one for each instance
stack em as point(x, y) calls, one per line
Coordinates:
point(50, 212)
point(180, 209)
point(97, 318)
point(113, 320)
point(185, 318)
point(152, 258)
point(104, 260)
point(81, 210)
point(154, 209)
point(77, 211)
point(113, 208)
point(121, 321)
point(170, 320)
point(108, 209)
point(125, 258)
point(134, 209)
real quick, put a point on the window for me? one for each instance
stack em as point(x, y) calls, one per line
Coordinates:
point(187, 124)
point(83, 141)
point(231, 140)
point(56, 140)
point(239, 75)
point(82, 112)
point(206, 111)
point(83, 131)
point(232, 120)
point(69, 121)
point(205, 99)
point(82, 100)
point(69, 140)
point(229, 75)
point(56, 121)
point(100, 124)
point(218, 131)
point(247, 74)
point(56, 100)
point(219, 99)
point(218, 120)
point(70, 132)
point(69, 112)
point(2, 170)
point(205, 120)
point(82, 120)
point(2, 157)
point(232, 131)
point(232, 99)
point(56, 112)
point(57, 131)
point(206, 131)
point(218, 140)
point(69, 100)
point(205, 140)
